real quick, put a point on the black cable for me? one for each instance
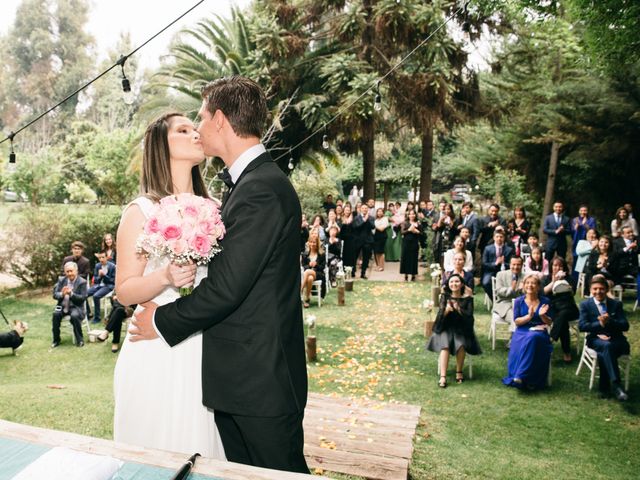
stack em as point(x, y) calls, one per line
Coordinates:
point(119, 62)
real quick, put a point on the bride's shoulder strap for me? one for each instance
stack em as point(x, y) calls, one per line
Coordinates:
point(145, 204)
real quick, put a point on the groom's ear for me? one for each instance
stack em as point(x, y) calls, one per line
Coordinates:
point(219, 119)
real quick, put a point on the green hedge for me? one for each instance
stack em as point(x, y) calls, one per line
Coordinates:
point(40, 237)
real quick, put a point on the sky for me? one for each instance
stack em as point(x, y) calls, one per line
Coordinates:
point(141, 18)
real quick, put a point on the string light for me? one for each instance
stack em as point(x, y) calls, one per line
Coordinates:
point(377, 103)
point(127, 95)
point(290, 166)
point(12, 154)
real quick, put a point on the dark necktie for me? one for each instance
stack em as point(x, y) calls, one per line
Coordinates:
point(225, 176)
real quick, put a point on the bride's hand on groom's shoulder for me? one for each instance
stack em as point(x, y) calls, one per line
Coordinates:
point(180, 275)
point(141, 327)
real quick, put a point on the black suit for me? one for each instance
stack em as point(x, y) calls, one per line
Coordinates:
point(626, 259)
point(608, 350)
point(363, 239)
point(254, 370)
point(75, 307)
point(556, 242)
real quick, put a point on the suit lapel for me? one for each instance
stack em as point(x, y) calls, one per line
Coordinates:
point(262, 158)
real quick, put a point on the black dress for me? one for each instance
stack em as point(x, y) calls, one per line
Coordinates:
point(564, 309)
point(410, 248)
point(455, 329)
point(348, 247)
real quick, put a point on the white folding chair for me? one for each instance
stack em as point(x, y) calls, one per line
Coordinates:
point(495, 319)
point(326, 270)
point(316, 289)
point(589, 359)
point(580, 286)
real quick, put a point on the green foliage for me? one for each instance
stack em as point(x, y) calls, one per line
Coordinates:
point(41, 237)
point(312, 188)
point(80, 193)
point(39, 176)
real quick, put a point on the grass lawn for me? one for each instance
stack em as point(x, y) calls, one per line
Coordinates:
point(374, 347)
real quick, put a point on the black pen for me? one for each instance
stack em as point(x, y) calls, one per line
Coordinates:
point(184, 471)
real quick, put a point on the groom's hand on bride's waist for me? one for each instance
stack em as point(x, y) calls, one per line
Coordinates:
point(141, 327)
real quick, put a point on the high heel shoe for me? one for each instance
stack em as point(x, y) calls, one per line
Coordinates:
point(103, 336)
point(459, 377)
point(443, 381)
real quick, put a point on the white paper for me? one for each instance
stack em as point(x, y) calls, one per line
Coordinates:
point(61, 463)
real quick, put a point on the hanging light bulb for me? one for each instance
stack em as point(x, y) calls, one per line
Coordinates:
point(325, 142)
point(290, 166)
point(12, 154)
point(377, 103)
point(128, 96)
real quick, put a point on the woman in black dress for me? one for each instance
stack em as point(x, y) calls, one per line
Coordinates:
point(334, 257)
point(453, 329)
point(601, 260)
point(380, 238)
point(519, 233)
point(445, 232)
point(411, 233)
point(346, 235)
point(560, 288)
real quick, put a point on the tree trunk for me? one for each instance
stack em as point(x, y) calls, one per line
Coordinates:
point(426, 167)
point(551, 183)
point(385, 195)
point(368, 160)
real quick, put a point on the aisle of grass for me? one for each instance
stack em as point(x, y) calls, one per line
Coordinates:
point(374, 347)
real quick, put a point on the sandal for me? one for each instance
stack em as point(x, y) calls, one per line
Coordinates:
point(305, 304)
point(459, 377)
point(443, 381)
point(103, 336)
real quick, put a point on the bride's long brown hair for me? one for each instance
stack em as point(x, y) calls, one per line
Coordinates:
point(156, 181)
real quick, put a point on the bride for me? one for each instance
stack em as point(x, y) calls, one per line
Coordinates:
point(158, 389)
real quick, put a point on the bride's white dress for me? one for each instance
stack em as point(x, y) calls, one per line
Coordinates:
point(158, 389)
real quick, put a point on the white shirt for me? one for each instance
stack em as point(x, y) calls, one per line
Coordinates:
point(602, 306)
point(245, 158)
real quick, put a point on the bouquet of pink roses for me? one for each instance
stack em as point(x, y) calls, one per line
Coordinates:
point(184, 227)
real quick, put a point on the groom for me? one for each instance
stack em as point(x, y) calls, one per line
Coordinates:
point(254, 372)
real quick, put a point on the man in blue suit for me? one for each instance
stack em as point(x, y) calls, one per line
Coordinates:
point(557, 226)
point(104, 280)
point(604, 320)
point(495, 257)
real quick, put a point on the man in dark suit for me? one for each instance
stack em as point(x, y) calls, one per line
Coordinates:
point(556, 226)
point(254, 371)
point(71, 293)
point(363, 225)
point(604, 320)
point(495, 258)
point(77, 257)
point(468, 219)
point(487, 226)
point(626, 255)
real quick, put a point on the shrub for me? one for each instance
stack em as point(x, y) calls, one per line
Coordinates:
point(312, 188)
point(42, 237)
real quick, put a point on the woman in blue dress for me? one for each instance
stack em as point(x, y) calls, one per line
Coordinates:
point(531, 348)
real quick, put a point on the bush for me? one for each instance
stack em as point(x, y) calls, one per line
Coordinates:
point(312, 188)
point(42, 236)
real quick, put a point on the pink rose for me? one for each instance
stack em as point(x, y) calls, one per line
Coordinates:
point(201, 245)
point(171, 232)
point(151, 226)
point(169, 200)
point(191, 211)
point(179, 246)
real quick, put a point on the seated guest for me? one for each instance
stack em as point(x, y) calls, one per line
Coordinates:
point(104, 280)
point(119, 313)
point(334, 248)
point(583, 250)
point(453, 329)
point(621, 220)
point(557, 226)
point(313, 262)
point(601, 260)
point(14, 338)
point(521, 227)
point(560, 288)
point(318, 222)
point(604, 320)
point(77, 257)
point(531, 348)
point(465, 235)
point(580, 225)
point(109, 247)
point(532, 241)
point(459, 260)
point(332, 221)
point(71, 293)
point(626, 255)
point(509, 285)
point(536, 263)
point(380, 238)
point(495, 258)
point(458, 246)
point(411, 233)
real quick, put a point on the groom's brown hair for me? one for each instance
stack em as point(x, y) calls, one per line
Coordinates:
point(241, 100)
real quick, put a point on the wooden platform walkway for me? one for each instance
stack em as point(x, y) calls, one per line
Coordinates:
point(359, 437)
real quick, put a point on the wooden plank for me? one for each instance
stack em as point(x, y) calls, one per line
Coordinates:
point(364, 465)
point(361, 443)
point(372, 425)
point(147, 456)
point(366, 403)
point(361, 416)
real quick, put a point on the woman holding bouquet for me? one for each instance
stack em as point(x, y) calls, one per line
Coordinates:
point(158, 389)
